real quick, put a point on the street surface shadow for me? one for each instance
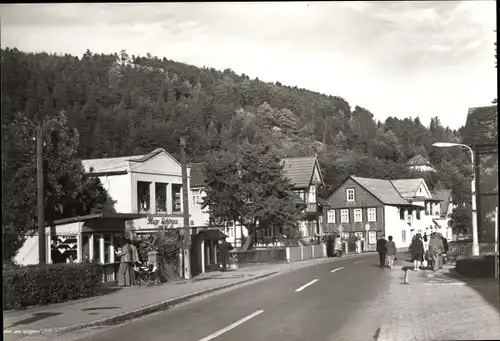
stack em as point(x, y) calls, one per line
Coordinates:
point(106, 290)
point(35, 318)
point(488, 288)
point(100, 308)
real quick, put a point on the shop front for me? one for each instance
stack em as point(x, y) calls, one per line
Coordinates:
point(89, 238)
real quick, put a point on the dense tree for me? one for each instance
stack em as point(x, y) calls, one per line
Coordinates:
point(249, 187)
point(69, 191)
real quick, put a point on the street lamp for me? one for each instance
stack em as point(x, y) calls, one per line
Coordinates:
point(475, 243)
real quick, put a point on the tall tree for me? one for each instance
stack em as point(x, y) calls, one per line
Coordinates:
point(69, 191)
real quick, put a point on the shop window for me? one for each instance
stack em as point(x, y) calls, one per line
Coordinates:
point(402, 214)
point(403, 236)
point(143, 196)
point(86, 247)
point(176, 198)
point(96, 254)
point(107, 247)
point(161, 197)
point(63, 249)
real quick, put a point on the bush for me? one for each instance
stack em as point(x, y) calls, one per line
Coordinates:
point(51, 283)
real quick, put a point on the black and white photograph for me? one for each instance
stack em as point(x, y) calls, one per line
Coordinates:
point(250, 171)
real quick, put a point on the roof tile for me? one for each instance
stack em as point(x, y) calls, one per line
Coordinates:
point(481, 126)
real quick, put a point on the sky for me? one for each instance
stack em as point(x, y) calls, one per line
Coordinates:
point(399, 59)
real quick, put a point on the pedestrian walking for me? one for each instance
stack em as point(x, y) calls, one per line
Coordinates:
point(427, 259)
point(224, 249)
point(391, 250)
point(382, 251)
point(436, 249)
point(445, 249)
point(124, 272)
point(417, 252)
point(329, 246)
point(337, 246)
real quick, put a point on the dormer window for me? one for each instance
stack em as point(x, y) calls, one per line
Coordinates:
point(350, 194)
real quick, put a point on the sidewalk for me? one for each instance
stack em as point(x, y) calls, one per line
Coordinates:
point(439, 305)
point(127, 303)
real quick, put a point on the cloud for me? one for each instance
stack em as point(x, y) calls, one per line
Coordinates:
point(394, 58)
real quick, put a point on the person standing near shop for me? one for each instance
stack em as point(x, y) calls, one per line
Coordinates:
point(124, 272)
point(337, 246)
point(391, 250)
point(224, 249)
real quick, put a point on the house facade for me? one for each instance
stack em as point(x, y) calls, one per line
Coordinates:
point(148, 184)
point(420, 164)
point(447, 205)
point(481, 134)
point(369, 208)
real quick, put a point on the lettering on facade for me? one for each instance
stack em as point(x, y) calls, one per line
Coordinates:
point(162, 221)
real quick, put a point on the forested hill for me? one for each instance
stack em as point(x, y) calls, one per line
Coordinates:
point(125, 105)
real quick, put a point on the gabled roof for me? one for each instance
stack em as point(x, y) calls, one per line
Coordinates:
point(481, 126)
point(383, 190)
point(418, 160)
point(197, 175)
point(445, 197)
point(300, 170)
point(407, 188)
point(120, 164)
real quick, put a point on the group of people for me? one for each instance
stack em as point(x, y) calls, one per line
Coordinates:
point(428, 252)
point(386, 250)
point(334, 246)
point(129, 258)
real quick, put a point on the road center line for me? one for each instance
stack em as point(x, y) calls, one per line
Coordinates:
point(231, 326)
point(306, 285)
point(360, 261)
point(337, 269)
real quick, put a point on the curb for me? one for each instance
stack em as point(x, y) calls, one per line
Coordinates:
point(162, 306)
point(117, 319)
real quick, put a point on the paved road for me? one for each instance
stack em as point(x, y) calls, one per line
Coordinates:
point(309, 303)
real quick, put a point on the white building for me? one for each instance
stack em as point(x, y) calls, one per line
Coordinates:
point(150, 184)
point(420, 164)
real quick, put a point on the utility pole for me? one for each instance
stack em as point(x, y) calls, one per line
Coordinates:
point(185, 209)
point(41, 196)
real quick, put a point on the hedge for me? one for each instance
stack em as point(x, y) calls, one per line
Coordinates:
point(51, 283)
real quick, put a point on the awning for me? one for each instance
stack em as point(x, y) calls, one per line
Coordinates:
point(103, 215)
point(212, 235)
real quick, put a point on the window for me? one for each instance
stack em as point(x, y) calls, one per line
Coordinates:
point(403, 236)
point(143, 199)
point(350, 194)
point(161, 196)
point(312, 194)
point(358, 215)
point(409, 219)
point(372, 214)
point(344, 216)
point(372, 237)
point(418, 214)
point(402, 213)
point(331, 217)
point(176, 198)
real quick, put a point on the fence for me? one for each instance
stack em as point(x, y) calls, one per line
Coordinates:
point(464, 249)
point(282, 254)
point(298, 253)
point(273, 255)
